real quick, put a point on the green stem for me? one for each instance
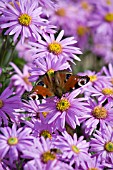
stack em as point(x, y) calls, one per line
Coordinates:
point(7, 51)
point(3, 51)
point(11, 55)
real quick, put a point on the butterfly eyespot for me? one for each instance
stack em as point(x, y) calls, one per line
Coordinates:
point(41, 83)
point(82, 82)
point(68, 75)
point(33, 96)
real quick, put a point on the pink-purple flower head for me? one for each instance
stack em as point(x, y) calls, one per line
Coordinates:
point(85, 6)
point(95, 78)
point(67, 109)
point(22, 19)
point(8, 102)
point(92, 164)
point(20, 80)
point(102, 91)
point(48, 64)
point(59, 46)
point(102, 20)
point(41, 151)
point(64, 12)
point(103, 47)
point(42, 129)
point(102, 3)
point(73, 149)
point(13, 141)
point(51, 165)
point(81, 32)
point(102, 144)
point(97, 115)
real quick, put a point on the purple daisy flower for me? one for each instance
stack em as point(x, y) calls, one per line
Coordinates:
point(20, 80)
point(92, 164)
point(56, 165)
point(76, 151)
point(105, 3)
point(102, 144)
point(57, 46)
point(102, 20)
point(67, 109)
point(23, 19)
point(48, 64)
point(41, 151)
point(95, 78)
point(102, 91)
point(97, 115)
point(103, 47)
point(42, 129)
point(13, 141)
point(82, 33)
point(8, 103)
point(85, 6)
point(64, 11)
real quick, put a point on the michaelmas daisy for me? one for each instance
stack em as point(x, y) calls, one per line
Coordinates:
point(59, 46)
point(22, 19)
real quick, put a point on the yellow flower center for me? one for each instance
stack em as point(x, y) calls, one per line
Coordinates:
point(99, 112)
point(24, 19)
point(50, 72)
point(48, 156)
point(109, 17)
point(55, 48)
point(82, 30)
point(63, 104)
point(93, 78)
point(108, 2)
point(12, 141)
point(44, 114)
point(46, 134)
point(75, 149)
point(61, 12)
point(85, 5)
point(107, 91)
point(26, 79)
point(1, 103)
point(109, 146)
point(93, 169)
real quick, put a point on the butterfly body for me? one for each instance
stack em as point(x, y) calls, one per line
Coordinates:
point(57, 84)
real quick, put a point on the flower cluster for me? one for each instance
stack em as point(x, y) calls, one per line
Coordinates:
point(51, 118)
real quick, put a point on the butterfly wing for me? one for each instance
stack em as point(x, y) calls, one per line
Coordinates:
point(43, 88)
point(74, 82)
point(58, 84)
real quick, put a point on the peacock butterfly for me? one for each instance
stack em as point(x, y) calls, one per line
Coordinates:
point(57, 84)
